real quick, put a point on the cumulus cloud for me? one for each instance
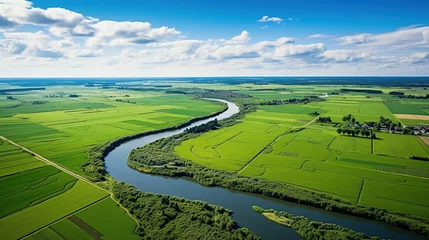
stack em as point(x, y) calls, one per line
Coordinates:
point(299, 50)
point(244, 37)
point(58, 34)
point(263, 45)
point(357, 39)
point(405, 37)
point(271, 19)
point(5, 23)
point(343, 56)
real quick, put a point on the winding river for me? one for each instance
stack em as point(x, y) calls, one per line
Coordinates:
point(240, 203)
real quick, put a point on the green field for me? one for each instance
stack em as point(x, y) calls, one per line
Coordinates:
point(63, 129)
point(270, 144)
point(28, 188)
point(103, 220)
point(109, 219)
point(14, 160)
point(24, 222)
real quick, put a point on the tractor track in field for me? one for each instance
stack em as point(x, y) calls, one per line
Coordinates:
point(79, 177)
point(269, 144)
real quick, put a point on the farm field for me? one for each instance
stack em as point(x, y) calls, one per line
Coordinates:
point(34, 189)
point(314, 156)
point(76, 124)
point(103, 220)
point(14, 160)
point(24, 222)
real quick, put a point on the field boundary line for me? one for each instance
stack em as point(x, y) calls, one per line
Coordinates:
point(79, 177)
point(65, 217)
point(360, 191)
point(259, 153)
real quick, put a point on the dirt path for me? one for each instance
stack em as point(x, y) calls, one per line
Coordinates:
point(47, 161)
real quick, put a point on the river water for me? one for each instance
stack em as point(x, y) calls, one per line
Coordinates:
point(240, 203)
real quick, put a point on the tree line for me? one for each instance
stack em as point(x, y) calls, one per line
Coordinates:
point(293, 100)
point(167, 217)
point(316, 230)
point(211, 125)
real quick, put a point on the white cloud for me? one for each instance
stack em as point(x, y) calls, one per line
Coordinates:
point(404, 37)
point(357, 39)
point(271, 19)
point(299, 50)
point(58, 41)
point(343, 56)
point(244, 37)
point(263, 45)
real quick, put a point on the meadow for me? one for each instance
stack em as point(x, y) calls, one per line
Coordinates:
point(284, 144)
point(75, 125)
point(63, 129)
point(103, 220)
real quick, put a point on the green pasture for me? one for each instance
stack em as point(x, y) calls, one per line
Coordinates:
point(24, 222)
point(64, 128)
point(397, 145)
point(109, 219)
point(14, 160)
point(28, 188)
point(356, 169)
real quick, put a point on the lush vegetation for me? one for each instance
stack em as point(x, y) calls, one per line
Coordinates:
point(33, 218)
point(284, 144)
point(166, 217)
point(312, 229)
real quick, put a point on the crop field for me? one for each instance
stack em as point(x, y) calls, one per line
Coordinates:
point(97, 116)
point(103, 220)
point(24, 222)
point(28, 188)
point(14, 160)
point(38, 195)
point(357, 169)
point(109, 219)
point(400, 146)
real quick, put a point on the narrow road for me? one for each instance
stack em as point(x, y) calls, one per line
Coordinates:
point(47, 161)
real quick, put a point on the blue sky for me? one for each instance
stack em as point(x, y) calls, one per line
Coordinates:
point(213, 37)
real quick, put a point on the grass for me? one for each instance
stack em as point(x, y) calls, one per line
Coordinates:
point(400, 146)
point(14, 160)
point(24, 222)
point(64, 129)
point(278, 219)
point(357, 169)
point(402, 108)
point(109, 219)
point(28, 188)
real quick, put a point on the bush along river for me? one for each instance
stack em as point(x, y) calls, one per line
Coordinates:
point(240, 203)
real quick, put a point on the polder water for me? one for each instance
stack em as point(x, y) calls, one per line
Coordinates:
point(240, 203)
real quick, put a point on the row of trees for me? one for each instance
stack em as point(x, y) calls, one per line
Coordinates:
point(168, 217)
point(316, 230)
point(355, 132)
point(292, 100)
point(324, 119)
point(372, 91)
point(415, 97)
point(212, 125)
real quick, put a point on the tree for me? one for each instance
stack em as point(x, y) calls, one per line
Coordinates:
point(356, 131)
point(339, 130)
